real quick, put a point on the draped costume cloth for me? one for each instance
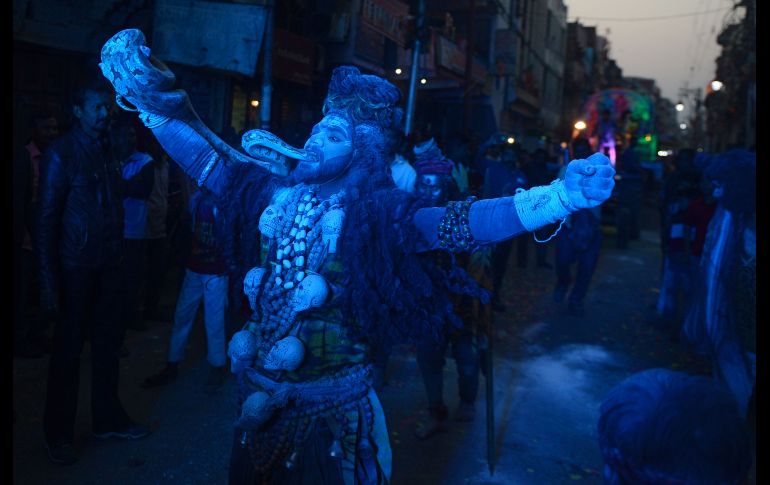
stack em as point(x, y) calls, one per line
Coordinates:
point(715, 323)
point(338, 338)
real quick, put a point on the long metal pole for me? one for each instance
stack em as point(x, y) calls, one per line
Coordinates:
point(415, 59)
point(490, 388)
point(467, 106)
point(267, 67)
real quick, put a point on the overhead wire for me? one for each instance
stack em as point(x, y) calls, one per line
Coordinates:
point(646, 19)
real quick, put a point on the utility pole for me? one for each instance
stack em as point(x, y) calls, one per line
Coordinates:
point(267, 65)
point(419, 26)
point(467, 106)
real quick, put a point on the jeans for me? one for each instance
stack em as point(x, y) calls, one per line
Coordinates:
point(566, 255)
point(212, 290)
point(430, 358)
point(90, 305)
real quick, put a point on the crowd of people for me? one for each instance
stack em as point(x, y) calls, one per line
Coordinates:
point(100, 210)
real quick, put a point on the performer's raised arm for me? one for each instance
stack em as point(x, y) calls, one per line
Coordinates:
point(463, 226)
point(144, 84)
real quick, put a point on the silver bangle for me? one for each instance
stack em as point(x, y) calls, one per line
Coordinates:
point(152, 120)
point(213, 159)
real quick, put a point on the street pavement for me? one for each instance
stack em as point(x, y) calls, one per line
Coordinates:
point(551, 371)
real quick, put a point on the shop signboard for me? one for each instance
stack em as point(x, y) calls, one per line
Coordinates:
point(217, 35)
point(388, 17)
point(293, 57)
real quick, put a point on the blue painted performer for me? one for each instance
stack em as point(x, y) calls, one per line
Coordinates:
point(339, 267)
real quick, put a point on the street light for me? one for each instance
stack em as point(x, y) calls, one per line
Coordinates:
point(680, 106)
point(682, 126)
point(716, 85)
point(510, 140)
point(423, 81)
point(398, 71)
point(580, 125)
point(254, 103)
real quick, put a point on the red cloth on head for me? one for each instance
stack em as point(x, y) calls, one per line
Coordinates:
point(433, 167)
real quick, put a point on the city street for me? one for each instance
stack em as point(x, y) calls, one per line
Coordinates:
point(551, 372)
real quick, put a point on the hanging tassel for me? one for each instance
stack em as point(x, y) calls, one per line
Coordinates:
point(366, 463)
point(335, 450)
point(293, 460)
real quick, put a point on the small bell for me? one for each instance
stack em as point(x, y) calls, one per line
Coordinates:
point(336, 451)
point(292, 461)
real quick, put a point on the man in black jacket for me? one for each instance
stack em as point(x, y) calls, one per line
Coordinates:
point(79, 245)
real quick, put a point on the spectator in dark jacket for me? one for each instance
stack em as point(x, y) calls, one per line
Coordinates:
point(79, 245)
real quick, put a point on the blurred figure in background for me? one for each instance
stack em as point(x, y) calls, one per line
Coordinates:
point(721, 321)
point(662, 427)
point(578, 242)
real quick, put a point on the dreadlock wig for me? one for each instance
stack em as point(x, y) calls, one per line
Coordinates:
point(392, 294)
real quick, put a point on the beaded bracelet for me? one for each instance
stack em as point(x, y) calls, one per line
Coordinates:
point(454, 230)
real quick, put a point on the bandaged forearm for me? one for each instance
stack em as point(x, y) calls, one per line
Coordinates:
point(490, 221)
point(190, 150)
point(543, 205)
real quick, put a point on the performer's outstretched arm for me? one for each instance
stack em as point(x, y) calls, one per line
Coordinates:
point(587, 183)
point(144, 84)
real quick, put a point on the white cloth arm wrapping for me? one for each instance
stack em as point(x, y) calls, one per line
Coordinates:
point(495, 220)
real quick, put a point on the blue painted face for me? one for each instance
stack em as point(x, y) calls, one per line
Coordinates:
point(332, 141)
point(431, 188)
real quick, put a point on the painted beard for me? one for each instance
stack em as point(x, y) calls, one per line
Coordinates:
point(320, 171)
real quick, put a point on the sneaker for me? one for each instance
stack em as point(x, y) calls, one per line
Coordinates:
point(131, 431)
point(215, 380)
point(466, 412)
point(62, 454)
point(162, 378)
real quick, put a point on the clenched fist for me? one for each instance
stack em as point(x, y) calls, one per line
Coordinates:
point(589, 182)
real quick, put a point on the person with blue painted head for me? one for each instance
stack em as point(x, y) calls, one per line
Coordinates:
point(329, 252)
point(721, 321)
point(660, 427)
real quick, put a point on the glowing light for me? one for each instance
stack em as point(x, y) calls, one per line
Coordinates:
point(398, 70)
point(680, 106)
point(563, 145)
point(423, 81)
point(647, 138)
point(662, 153)
point(580, 125)
point(682, 126)
point(716, 85)
point(254, 103)
point(510, 140)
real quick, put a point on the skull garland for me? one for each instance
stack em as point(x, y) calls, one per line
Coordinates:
point(286, 354)
point(301, 228)
point(251, 285)
point(256, 410)
point(331, 228)
point(271, 220)
point(311, 293)
point(242, 351)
